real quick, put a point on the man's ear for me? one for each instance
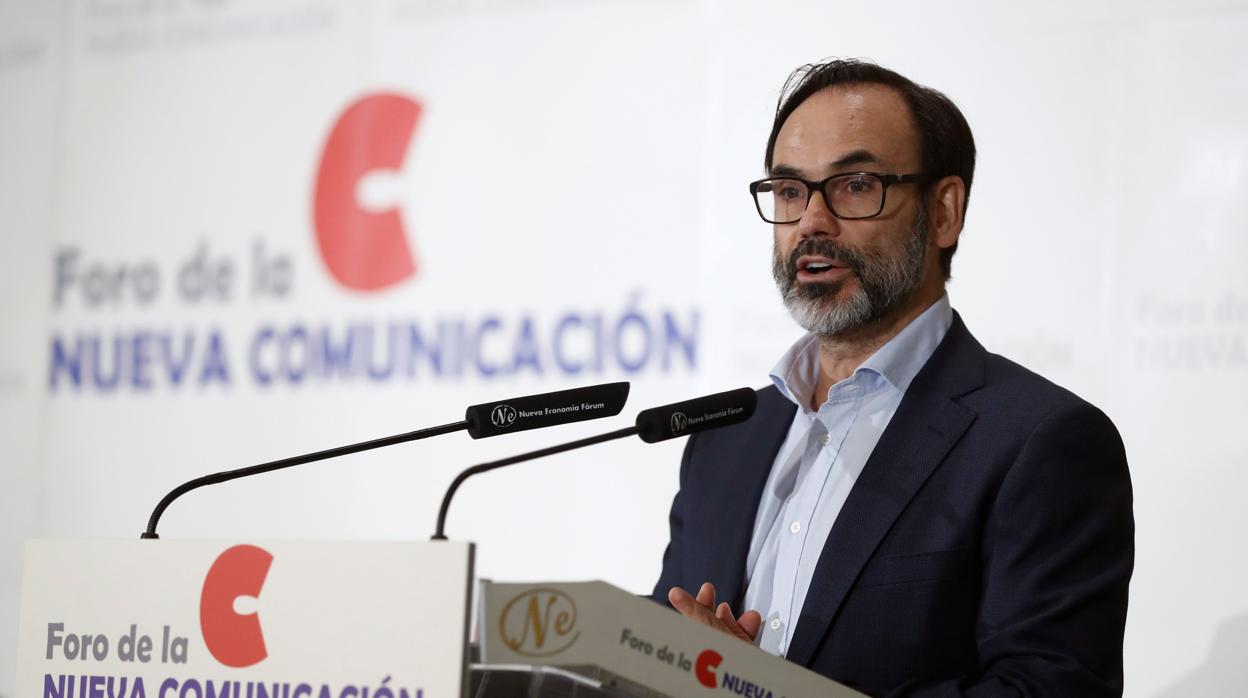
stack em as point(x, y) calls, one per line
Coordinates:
point(946, 210)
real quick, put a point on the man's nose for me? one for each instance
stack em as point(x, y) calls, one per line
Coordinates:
point(817, 219)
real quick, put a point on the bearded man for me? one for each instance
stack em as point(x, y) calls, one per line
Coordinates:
point(906, 513)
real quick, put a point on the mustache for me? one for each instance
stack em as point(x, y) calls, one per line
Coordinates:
point(824, 247)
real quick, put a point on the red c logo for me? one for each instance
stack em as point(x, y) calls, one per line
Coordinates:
point(703, 668)
point(364, 250)
point(235, 640)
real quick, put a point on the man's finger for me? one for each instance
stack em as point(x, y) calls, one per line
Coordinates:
point(688, 606)
point(728, 623)
point(706, 595)
point(720, 618)
point(751, 622)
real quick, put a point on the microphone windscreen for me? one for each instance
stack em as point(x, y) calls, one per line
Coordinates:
point(546, 410)
point(698, 414)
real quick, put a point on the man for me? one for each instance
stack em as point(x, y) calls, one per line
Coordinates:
point(905, 513)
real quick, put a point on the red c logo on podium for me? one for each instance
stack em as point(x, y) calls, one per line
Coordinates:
point(235, 640)
point(704, 667)
point(364, 250)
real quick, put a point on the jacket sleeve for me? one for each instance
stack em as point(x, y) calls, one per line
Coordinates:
point(1058, 552)
point(671, 574)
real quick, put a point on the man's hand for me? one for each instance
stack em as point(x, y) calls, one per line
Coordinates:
point(702, 608)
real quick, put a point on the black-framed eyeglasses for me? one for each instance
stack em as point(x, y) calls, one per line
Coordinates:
point(849, 196)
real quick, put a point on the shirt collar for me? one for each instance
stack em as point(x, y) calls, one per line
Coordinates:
point(796, 374)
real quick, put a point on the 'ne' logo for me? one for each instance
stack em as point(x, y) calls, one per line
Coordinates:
point(503, 416)
point(679, 422)
point(539, 623)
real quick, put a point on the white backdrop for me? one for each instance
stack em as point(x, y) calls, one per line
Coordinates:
point(572, 197)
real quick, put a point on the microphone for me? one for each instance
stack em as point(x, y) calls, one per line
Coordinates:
point(546, 410)
point(480, 421)
point(652, 425)
point(699, 414)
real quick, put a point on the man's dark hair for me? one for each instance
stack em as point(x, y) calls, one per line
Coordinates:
point(946, 146)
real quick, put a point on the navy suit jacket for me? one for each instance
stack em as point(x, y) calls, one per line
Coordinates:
point(985, 550)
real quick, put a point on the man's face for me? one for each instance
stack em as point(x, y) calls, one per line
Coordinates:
point(837, 276)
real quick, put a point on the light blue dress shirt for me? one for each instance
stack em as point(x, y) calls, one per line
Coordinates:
point(819, 463)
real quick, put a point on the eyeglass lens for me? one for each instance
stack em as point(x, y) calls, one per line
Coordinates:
point(849, 196)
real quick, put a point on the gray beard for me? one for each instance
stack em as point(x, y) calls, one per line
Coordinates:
point(885, 283)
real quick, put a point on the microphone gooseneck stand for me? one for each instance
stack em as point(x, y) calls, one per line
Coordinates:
point(480, 421)
point(439, 534)
point(217, 478)
point(652, 425)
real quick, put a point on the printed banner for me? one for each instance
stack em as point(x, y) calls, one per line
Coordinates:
point(235, 620)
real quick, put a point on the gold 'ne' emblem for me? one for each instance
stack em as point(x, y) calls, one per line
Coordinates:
point(539, 623)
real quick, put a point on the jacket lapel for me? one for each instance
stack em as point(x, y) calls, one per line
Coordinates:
point(927, 424)
point(746, 461)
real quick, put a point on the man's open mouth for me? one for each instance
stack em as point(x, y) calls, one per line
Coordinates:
point(814, 268)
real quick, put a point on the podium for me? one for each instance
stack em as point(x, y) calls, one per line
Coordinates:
point(590, 639)
point(350, 620)
point(192, 619)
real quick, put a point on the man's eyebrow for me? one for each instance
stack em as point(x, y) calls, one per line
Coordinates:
point(857, 157)
point(850, 159)
point(786, 171)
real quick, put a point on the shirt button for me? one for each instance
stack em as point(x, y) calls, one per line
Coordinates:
point(775, 623)
point(795, 527)
point(825, 439)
